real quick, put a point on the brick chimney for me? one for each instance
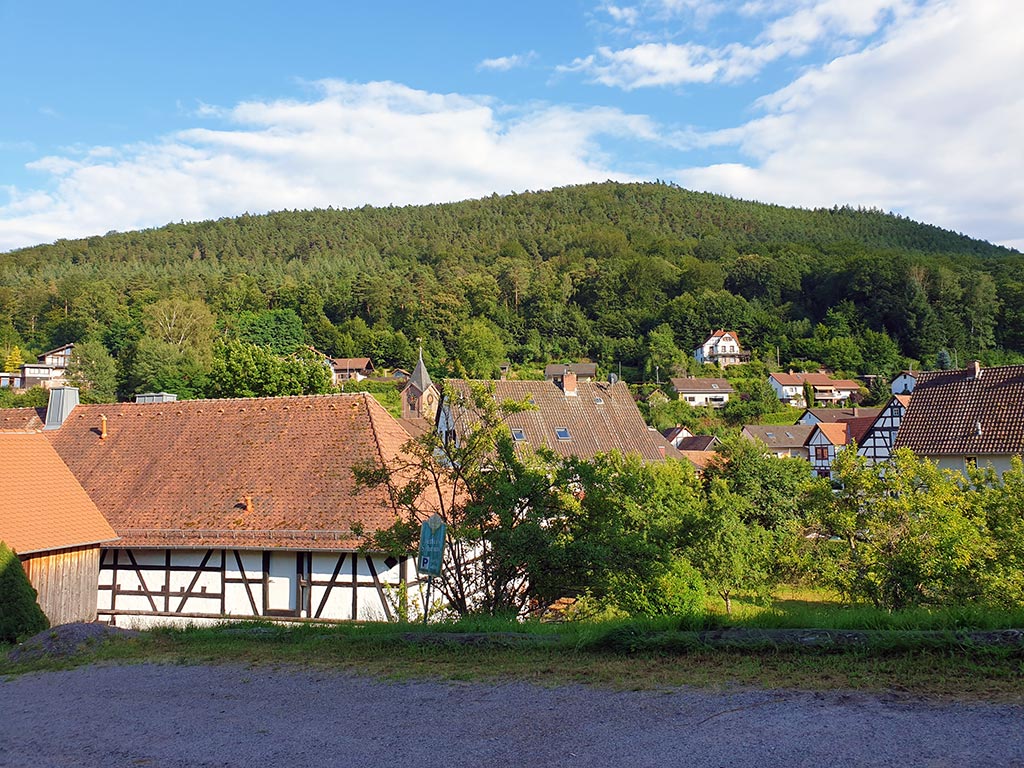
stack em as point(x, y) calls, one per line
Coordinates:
point(569, 383)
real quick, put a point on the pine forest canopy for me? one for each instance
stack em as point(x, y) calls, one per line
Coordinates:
point(616, 273)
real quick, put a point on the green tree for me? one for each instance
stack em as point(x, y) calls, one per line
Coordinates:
point(279, 330)
point(20, 614)
point(93, 371)
point(731, 555)
point(480, 349)
point(250, 370)
point(493, 500)
point(663, 355)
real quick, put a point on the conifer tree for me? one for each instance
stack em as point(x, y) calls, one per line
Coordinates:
point(20, 614)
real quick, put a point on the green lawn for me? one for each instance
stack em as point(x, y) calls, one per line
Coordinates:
point(628, 654)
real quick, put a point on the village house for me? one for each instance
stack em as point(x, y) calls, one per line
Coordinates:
point(350, 369)
point(48, 371)
point(584, 372)
point(236, 508)
point(878, 441)
point(828, 439)
point(786, 441)
point(51, 522)
point(964, 418)
point(721, 348)
point(812, 416)
point(789, 388)
point(903, 384)
point(700, 392)
point(569, 417)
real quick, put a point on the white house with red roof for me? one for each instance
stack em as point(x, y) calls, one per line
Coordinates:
point(789, 387)
point(722, 348)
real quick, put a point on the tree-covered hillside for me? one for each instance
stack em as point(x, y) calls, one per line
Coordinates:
point(630, 274)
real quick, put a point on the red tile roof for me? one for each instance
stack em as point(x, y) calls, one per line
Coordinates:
point(954, 413)
point(601, 417)
point(21, 419)
point(261, 472)
point(44, 506)
point(821, 380)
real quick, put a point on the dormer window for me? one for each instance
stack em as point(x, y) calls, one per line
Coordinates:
point(562, 433)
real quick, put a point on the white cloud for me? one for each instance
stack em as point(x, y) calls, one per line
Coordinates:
point(505, 63)
point(923, 123)
point(378, 143)
point(792, 34)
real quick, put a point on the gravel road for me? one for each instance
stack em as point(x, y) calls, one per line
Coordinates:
point(165, 715)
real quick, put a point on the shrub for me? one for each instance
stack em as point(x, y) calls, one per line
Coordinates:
point(20, 614)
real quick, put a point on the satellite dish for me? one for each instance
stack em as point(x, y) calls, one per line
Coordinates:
point(613, 378)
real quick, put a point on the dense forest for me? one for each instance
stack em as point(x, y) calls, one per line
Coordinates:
point(631, 276)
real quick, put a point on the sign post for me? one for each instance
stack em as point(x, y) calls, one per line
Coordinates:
point(431, 554)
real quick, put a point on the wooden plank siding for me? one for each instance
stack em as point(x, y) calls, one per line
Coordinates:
point(66, 581)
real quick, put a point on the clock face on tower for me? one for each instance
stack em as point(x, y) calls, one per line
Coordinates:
point(430, 399)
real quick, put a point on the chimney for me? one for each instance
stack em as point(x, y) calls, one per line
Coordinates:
point(569, 383)
point(977, 428)
point(103, 427)
point(62, 401)
point(855, 411)
point(974, 367)
point(248, 504)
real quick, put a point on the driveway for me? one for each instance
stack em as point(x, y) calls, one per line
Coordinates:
point(166, 715)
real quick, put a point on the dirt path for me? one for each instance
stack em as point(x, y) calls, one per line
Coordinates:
point(165, 715)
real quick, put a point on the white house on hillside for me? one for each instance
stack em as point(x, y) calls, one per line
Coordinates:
point(722, 348)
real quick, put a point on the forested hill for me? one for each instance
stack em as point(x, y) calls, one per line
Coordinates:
point(543, 222)
point(630, 274)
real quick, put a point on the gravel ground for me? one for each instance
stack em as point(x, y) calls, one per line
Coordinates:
point(166, 715)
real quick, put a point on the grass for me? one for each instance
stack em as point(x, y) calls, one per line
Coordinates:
point(629, 654)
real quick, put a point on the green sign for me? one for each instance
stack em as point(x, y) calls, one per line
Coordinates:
point(431, 546)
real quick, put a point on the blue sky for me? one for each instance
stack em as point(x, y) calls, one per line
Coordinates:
point(125, 115)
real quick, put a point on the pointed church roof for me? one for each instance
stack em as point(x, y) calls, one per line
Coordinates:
point(419, 377)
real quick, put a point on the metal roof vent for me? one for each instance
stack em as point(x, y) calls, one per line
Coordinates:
point(156, 397)
point(62, 401)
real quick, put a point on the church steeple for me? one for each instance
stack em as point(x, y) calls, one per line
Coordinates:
point(420, 396)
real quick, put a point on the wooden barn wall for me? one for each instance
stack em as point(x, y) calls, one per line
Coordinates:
point(66, 581)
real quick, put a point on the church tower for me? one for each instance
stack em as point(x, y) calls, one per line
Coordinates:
point(420, 397)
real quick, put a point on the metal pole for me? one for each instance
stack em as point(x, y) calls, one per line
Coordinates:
point(426, 607)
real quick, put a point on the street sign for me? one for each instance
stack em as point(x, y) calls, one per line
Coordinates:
point(431, 546)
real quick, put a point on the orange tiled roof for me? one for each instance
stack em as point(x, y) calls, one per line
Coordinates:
point(44, 507)
point(180, 473)
point(600, 418)
point(835, 433)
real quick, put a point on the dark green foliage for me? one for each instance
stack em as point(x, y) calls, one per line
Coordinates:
point(630, 274)
point(20, 614)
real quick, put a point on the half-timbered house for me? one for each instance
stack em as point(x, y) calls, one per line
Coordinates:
point(878, 441)
point(238, 508)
